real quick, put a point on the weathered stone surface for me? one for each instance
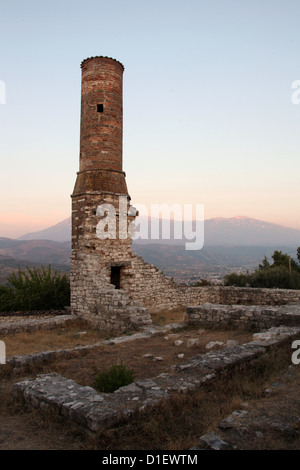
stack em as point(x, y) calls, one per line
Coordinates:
point(238, 316)
point(213, 441)
point(213, 344)
point(193, 342)
point(36, 324)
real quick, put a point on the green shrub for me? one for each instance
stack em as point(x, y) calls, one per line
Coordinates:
point(238, 280)
point(269, 277)
point(284, 273)
point(35, 289)
point(6, 298)
point(117, 376)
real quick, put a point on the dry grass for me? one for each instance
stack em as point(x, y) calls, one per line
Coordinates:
point(177, 424)
point(173, 425)
point(168, 316)
point(83, 366)
point(59, 338)
point(71, 336)
point(80, 334)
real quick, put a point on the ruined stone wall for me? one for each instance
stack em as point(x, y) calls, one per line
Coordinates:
point(238, 295)
point(258, 296)
point(146, 286)
point(243, 316)
point(156, 291)
point(96, 300)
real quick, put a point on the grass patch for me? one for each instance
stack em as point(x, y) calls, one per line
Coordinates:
point(117, 376)
point(60, 337)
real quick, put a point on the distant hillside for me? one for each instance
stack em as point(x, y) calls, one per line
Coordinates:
point(60, 232)
point(211, 262)
point(22, 253)
point(8, 265)
point(36, 251)
point(175, 257)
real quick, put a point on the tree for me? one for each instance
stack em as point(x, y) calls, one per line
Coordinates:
point(283, 259)
point(264, 264)
point(284, 273)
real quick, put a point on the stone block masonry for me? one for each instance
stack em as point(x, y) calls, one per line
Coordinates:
point(242, 316)
point(94, 412)
point(159, 293)
point(229, 295)
point(34, 324)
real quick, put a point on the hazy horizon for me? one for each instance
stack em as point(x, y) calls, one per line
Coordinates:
point(16, 234)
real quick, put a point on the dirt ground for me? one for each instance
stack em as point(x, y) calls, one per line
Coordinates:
point(271, 422)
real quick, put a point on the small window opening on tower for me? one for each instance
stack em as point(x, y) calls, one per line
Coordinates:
point(115, 276)
point(99, 108)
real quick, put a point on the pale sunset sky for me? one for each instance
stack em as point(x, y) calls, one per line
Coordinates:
point(210, 113)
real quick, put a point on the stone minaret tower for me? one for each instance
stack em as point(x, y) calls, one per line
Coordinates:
point(100, 262)
point(100, 178)
point(111, 286)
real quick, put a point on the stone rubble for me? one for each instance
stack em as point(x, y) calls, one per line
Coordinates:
point(250, 428)
point(213, 344)
point(213, 441)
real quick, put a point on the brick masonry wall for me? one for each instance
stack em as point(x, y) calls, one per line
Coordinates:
point(101, 129)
